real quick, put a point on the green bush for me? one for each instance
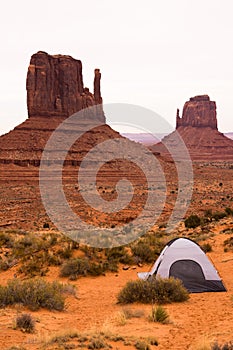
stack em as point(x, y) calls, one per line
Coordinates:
point(81, 267)
point(159, 291)
point(228, 244)
point(219, 215)
point(29, 245)
point(74, 268)
point(34, 266)
point(158, 314)
point(143, 251)
point(97, 343)
point(5, 240)
point(4, 265)
point(118, 254)
point(206, 247)
point(25, 323)
point(33, 293)
point(65, 253)
point(229, 211)
point(192, 221)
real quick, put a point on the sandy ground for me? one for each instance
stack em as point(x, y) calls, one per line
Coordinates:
point(204, 316)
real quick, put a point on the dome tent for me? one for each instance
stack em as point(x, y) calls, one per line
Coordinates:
point(184, 259)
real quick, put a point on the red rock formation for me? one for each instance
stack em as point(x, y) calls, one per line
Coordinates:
point(55, 91)
point(198, 129)
point(97, 93)
point(55, 87)
point(199, 111)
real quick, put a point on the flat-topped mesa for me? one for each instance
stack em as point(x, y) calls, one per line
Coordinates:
point(199, 111)
point(55, 87)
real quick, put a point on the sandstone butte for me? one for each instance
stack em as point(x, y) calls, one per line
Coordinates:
point(198, 129)
point(55, 90)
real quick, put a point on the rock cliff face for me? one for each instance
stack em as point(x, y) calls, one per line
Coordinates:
point(199, 111)
point(55, 87)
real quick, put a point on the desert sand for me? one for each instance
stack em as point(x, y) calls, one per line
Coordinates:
point(204, 317)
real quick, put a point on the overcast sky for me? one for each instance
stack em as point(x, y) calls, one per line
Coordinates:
point(156, 54)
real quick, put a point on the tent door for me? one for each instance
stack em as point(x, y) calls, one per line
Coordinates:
point(187, 270)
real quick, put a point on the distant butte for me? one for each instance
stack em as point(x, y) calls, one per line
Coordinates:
point(199, 111)
point(198, 128)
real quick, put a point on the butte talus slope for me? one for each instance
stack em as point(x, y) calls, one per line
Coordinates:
point(198, 128)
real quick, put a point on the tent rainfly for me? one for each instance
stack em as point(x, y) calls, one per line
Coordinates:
point(184, 259)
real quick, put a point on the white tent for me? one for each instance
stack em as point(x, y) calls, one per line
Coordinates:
point(184, 259)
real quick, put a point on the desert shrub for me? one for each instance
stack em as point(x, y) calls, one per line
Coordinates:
point(29, 245)
point(227, 231)
point(158, 314)
point(34, 266)
point(208, 213)
point(229, 211)
point(111, 266)
point(82, 267)
point(118, 254)
point(159, 291)
point(16, 347)
point(52, 239)
point(192, 221)
point(152, 341)
point(5, 240)
point(143, 251)
point(74, 268)
point(226, 346)
point(53, 259)
point(65, 253)
point(97, 342)
point(33, 293)
point(120, 318)
point(206, 247)
point(4, 265)
point(65, 337)
point(25, 322)
point(228, 244)
point(218, 215)
point(142, 345)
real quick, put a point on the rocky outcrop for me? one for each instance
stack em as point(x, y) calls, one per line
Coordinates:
point(199, 111)
point(55, 87)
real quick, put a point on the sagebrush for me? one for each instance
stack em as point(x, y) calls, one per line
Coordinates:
point(25, 323)
point(160, 291)
point(33, 293)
